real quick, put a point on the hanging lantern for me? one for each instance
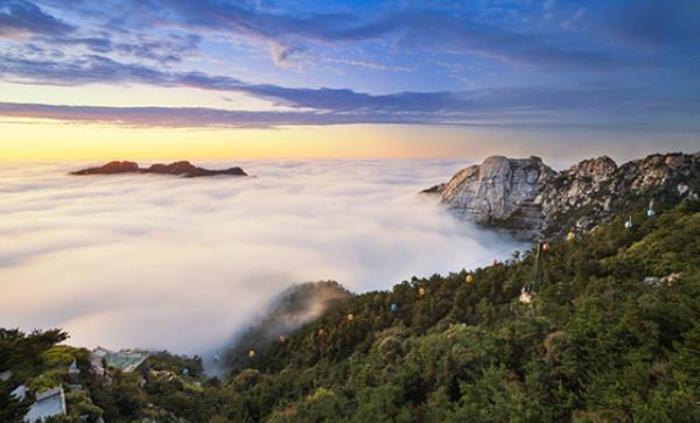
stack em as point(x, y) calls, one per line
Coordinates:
point(545, 246)
point(421, 291)
point(650, 210)
point(570, 236)
point(469, 279)
point(350, 317)
point(251, 354)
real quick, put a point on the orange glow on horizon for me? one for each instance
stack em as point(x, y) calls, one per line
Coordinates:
point(50, 140)
point(31, 139)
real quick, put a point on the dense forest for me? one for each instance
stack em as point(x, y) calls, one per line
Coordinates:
point(612, 334)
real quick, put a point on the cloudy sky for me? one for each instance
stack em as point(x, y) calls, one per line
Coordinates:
point(301, 78)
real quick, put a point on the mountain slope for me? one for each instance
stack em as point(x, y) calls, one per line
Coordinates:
point(293, 308)
point(612, 335)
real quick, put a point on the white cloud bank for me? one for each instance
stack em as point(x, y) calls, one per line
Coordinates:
point(165, 262)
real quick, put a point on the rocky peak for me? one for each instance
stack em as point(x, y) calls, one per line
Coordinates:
point(657, 169)
point(528, 198)
point(497, 187)
point(175, 168)
point(598, 168)
point(111, 168)
point(181, 168)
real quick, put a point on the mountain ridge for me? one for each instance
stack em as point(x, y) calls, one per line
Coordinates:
point(180, 168)
point(531, 200)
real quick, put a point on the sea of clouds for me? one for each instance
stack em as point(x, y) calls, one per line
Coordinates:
point(184, 264)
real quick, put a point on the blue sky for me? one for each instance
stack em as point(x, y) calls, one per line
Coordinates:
point(628, 66)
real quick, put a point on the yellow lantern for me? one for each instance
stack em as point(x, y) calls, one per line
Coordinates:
point(350, 317)
point(421, 291)
point(251, 354)
point(469, 279)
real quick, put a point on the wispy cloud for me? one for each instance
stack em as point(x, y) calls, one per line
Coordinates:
point(546, 72)
point(524, 107)
point(427, 28)
point(369, 65)
point(170, 50)
point(288, 56)
point(24, 18)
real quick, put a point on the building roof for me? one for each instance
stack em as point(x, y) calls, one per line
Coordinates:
point(48, 403)
point(19, 393)
point(125, 360)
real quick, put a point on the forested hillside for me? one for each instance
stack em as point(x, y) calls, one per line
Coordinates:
point(613, 334)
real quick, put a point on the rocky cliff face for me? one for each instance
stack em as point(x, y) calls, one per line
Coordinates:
point(498, 189)
point(529, 199)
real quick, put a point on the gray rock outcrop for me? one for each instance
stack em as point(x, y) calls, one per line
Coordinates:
point(529, 199)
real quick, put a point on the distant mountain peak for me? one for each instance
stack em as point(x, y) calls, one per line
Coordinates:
point(179, 168)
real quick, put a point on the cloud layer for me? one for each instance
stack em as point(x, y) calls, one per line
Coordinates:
point(499, 30)
point(183, 264)
point(19, 17)
point(614, 64)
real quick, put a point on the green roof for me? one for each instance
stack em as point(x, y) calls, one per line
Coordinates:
point(125, 360)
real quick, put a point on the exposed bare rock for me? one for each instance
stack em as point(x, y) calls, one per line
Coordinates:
point(110, 168)
point(181, 168)
point(529, 199)
point(185, 168)
point(497, 187)
point(435, 189)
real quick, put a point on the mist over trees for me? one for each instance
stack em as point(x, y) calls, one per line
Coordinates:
point(612, 335)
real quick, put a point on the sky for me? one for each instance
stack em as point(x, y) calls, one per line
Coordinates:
point(217, 79)
point(155, 261)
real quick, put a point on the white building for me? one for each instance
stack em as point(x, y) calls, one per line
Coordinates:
point(48, 403)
